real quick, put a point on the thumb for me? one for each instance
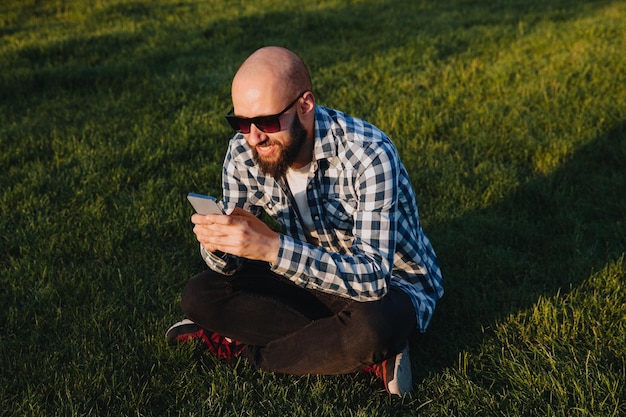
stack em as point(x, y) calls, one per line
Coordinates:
point(238, 211)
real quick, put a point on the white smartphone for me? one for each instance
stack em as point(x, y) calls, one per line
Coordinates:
point(204, 204)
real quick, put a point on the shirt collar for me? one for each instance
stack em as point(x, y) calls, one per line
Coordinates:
point(326, 132)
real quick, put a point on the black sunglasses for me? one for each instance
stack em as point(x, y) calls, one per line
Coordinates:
point(267, 124)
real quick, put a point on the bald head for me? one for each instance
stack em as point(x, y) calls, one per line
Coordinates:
point(271, 76)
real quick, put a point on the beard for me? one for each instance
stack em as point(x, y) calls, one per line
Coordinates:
point(287, 153)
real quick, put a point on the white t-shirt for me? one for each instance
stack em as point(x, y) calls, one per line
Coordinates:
point(298, 180)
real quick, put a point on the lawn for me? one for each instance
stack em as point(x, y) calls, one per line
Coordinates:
point(510, 117)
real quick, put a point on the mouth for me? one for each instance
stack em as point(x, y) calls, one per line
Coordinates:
point(265, 148)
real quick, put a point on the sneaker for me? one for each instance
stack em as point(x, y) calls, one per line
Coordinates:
point(186, 331)
point(395, 373)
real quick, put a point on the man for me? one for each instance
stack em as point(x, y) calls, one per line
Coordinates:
point(351, 273)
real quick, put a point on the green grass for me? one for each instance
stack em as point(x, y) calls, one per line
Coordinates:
point(510, 117)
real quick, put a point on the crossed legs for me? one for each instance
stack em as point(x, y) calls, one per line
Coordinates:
point(289, 329)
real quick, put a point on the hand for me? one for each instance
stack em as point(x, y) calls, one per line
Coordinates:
point(240, 234)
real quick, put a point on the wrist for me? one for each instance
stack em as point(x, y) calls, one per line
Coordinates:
point(274, 249)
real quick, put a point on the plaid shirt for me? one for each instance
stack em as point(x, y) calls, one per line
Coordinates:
point(363, 207)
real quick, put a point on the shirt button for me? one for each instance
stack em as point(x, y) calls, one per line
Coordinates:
point(316, 217)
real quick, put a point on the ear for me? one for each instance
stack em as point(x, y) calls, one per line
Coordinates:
point(307, 104)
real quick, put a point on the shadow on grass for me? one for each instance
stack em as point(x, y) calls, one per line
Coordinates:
point(324, 37)
point(549, 236)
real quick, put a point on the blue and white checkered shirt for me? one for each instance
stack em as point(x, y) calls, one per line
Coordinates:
point(363, 207)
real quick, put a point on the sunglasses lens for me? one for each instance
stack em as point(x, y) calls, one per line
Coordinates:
point(244, 126)
point(238, 124)
point(269, 124)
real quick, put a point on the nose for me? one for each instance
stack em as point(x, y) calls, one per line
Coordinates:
point(255, 136)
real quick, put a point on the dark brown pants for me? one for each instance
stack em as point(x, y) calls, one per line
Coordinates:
point(289, 329)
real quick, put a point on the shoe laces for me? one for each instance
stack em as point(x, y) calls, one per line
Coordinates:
point(221, 346)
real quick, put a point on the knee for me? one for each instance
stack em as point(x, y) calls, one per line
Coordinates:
point(386, 327)
point(190, 298)
point(197, 294)
point(375, 329)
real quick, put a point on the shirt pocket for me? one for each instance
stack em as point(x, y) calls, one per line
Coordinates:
point(340, 222)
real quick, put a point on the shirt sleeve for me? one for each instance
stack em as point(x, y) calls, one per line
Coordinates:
point(234, 195)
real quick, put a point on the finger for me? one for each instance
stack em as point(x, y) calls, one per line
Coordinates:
point(207, 219)
point(199, 219)
point(220, 219)
point(212, 231)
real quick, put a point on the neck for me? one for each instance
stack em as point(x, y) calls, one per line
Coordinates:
point(306, 154)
